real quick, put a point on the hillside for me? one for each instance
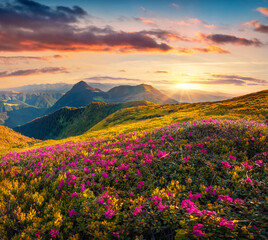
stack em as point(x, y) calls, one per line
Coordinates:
point(68, 121)
point(10, 139)
point(82, 94)
point(192, 180)
point(250, 107)
point(139, 92)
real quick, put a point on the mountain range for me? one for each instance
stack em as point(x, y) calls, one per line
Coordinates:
point(82, 94)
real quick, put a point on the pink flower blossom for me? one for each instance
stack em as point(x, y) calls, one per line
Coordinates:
point(186, 159)
point(138, 210)
point(105, 175)
point(72, 212)
point(188, 146)
point(162, 207)
point(226, 164)
point(54, 233)
point(140, 184)
point(232, 157)
point(109, 212)
point(259, 162)
point(139, 172)
point(249, 180)
point(227, 223)
point(247, 166)
point(211, 190)
point(74, 194)
point(198, 233)
point(238, 201)
point(225, 198)
point(194, 196)
point(198, 226)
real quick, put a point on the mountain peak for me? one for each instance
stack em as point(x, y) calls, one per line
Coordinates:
point(82, 85)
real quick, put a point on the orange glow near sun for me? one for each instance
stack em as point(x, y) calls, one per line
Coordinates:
point(187, 86)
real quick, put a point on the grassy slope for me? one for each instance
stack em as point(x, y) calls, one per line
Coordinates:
point(10, 139)
point(251, 107)
point(68, 121)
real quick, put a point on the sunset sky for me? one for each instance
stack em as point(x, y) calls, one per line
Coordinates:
point(209, 45)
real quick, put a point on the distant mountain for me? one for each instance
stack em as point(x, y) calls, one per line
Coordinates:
point(10, 139)
point(53, 87)
point(18, 108)
point(195, 96)
point(82, 94)
point(70, 121)
point(140, 92)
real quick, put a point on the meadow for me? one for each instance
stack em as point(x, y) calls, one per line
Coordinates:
point(188, 180)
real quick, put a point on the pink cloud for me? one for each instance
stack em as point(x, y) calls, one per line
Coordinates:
point(263, 10)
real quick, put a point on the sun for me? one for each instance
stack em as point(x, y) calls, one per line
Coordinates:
point(186, 86)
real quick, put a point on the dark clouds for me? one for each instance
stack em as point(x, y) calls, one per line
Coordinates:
point(33, 72)
point(215, 79)
point(30, 26)
point(258, 27)
point(27, 59)
point(231, 39)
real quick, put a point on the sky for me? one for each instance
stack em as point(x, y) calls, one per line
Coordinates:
point(217, 46)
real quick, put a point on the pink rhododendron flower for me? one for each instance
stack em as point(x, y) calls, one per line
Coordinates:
point(140, 184)
point(232, 157)
point(259, 162)
point(109, 212)
point(162, 206)
point(226, 164)
point(247, 166)
point(74, 194)
point(116, 234)
point(194, 196)
point(186, 159)
point(211, 190)
point(105, 175)
point(249, 180)
point(198, 233)
point(238, 201)
point(198, 226)
point(225, 198)
point(138, 210)
point(188, 146)
point(227, 223)
point(54, 233)
point(72, 212)
point(139, 172)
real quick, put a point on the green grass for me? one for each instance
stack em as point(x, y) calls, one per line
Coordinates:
point(142, 118)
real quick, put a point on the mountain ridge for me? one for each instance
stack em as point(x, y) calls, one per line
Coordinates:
point(82, 94)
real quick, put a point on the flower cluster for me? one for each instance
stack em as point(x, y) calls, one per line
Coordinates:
point(198, 179)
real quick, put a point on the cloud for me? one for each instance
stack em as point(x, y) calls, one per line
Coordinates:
point(143, 9)
point(215, 79)
point(33, 72)
point(263, 10)
point(122, 70)
point(109, 78)
point(175, 5)
point(166, 35)
point(257, 26)
point(30, 26)
point(145, 20)
point(208, 49)
point(197, 21)
point(27, 59)
point(231, 39)
point(160, 71)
